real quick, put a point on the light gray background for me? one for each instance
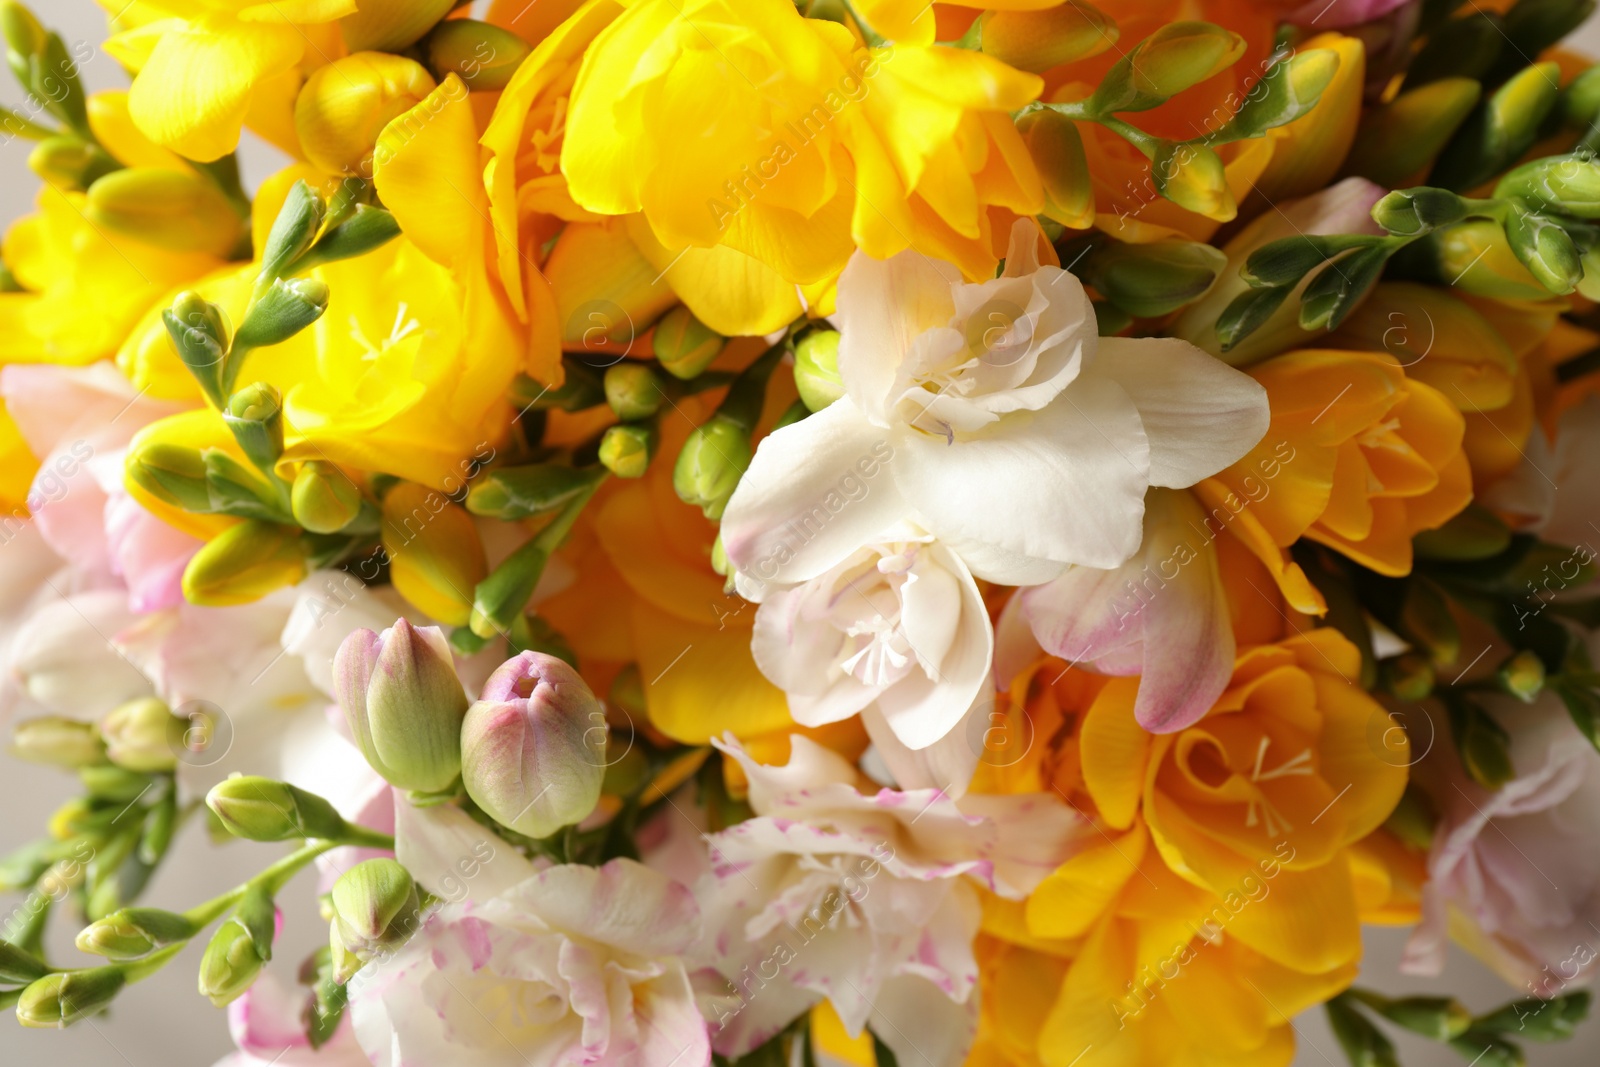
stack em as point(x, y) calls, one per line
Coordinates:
point(165, 1023)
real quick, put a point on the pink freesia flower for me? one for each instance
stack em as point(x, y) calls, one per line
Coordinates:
point(867, 901)
point(1514, 874)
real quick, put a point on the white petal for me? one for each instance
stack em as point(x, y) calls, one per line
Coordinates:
point(453, 857)
point(947, 764)
point(1002, 566)
point(623, 904)
point(883, 306)
point(1065, 484)
point(815, 492)
point(920, 1025)
point(1199, 413)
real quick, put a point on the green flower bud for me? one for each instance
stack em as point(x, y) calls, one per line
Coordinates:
point(711, 463)
point(68, 162)
point(199, 333)
point(1151, 280)
point(1192, 176)
point(1427, 621)
point(375, 908)
point(1436, 1018)
point(1464, 47)
point(1544, 247)
point(484, 57)
point(173, 209)
point(1036, 41)
point(626, 450)
point(1413, 819)
point(404, 704)
point(58, 1000)
point(292, 233)
point(24, 34)
point(1409, 212)
point(1500, 130)
point(139, 735)
point(105, 781)
point(1290, 88)
point(367, 228)
point(1565, 185)
point(1522, 676)
point(1483, 744)
point(324, 499)
point(284, 310)
point(1537, 1019)
point(1400, 138)
point(1409, 677)
point(1057, 152)
point(533, 748)
point(243, 564)
point(1487, 1050)
point(523, 492)
point(1475, 533)
point(255, 417)
point(236, 489)
point(231, 963)
point(633, 391)
point(173, 474)
point(260, 809)
point(132, 933)
point(1176, 57)
point(816, 369)
point(685, 345)
point(57, 742)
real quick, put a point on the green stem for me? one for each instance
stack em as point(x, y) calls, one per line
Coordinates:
point(272, 879)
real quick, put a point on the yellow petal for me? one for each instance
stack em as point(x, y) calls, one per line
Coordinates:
point(727, 290)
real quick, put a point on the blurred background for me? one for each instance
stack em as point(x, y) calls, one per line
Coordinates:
point(163, 1022)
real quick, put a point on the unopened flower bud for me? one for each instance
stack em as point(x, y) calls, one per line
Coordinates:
point(200, 335)
point(684, 345)
point(324, 499)
point(1565, 185)
point(711, 463)
point(1482, 1049)
point(243, 564)
point(1436, 1018)
point(260, 809)
point(344, 105)
point(173, 209)
point(633, 391)
point(1036, 41)
point(1057, 152)
point(436, 558)
point(173, 474)
point(66, 162)
point(483, 56)
point(375, 907)
point(131, 933)
point(231, 963)
point(1155, 279)
point(392, 25)
point(1522, 676)
point(57, 741)
point(284, 310)
point(139, 735)
point(255, 416)
point(533, 748)
point(1409, 677)
point(1476, 257)
point(25, 36)
point(1174, 58)
point(292, 233)
point(1501, 129)
point(1399, 139)
point(404, 704)
point(1192, 176)
point(626, 450)
point(1537, 1018)
point(816, 369)
point(58, 1000)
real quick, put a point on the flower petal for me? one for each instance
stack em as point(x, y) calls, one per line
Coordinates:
point(883, 306)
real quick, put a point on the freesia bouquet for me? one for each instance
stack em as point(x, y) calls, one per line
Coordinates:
point(784, 531)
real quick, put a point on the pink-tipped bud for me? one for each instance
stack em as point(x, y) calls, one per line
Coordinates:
point(533, 749)
point(404, 704)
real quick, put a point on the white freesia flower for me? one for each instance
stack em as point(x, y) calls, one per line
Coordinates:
point(563, 966)
point(993, 416)
point(867, 901)
point(896, 631)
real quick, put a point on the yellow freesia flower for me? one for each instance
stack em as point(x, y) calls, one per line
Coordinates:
point(757, 191)
point(201, 66)
point(1361, 458)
